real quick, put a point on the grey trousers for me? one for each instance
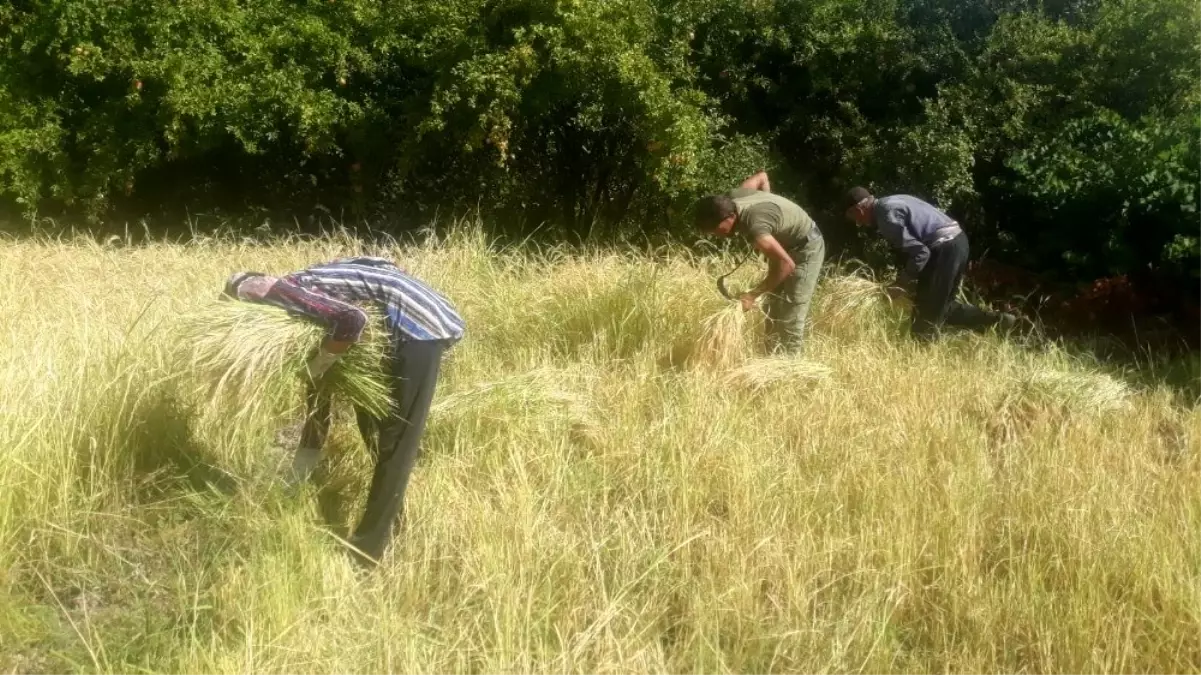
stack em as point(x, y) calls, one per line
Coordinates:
point(788, 306)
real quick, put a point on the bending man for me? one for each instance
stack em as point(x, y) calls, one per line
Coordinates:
point(423, 325)
point(787, 237)
point(936, 250)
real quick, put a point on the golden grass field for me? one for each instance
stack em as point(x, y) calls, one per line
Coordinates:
point(612, 481)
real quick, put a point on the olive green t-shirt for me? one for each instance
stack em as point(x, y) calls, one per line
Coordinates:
point(762, 213)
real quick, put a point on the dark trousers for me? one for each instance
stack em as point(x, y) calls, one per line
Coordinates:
point(394, 441)
point(936, 303)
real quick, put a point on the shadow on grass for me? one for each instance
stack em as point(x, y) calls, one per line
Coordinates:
point(165, 454)
point(149, 439)
point(335, 501)
point(341, 481)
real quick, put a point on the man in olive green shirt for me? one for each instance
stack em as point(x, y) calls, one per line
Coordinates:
point(787, 237)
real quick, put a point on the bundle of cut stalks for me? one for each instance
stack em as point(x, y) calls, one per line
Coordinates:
point(724, 338)
point(845, 302)
point(257, 354)
point(1083, 392)
point(760, 373)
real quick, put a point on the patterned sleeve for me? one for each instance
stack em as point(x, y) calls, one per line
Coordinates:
point(343, 320)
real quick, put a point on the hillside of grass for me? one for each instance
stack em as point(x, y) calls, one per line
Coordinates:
point(611, 480)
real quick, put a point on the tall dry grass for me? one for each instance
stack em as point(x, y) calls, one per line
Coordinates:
point(612, 480)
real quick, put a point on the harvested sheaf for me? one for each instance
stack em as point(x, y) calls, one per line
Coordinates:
point(760, 373)
point(532, 389)
point(256, 353)
point(849, 305)
point(723, 342)
point(850, 292)
point(536, 392)
point(1079, 391)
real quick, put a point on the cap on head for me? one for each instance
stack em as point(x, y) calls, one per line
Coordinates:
point(856, 195)
point(235, 280)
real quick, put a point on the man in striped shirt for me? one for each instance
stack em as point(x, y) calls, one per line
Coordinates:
point(423, 325)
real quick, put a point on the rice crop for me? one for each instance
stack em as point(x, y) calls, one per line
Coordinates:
point(246, 354)
point(581, 503)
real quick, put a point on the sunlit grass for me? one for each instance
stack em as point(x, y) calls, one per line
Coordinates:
point(613, 479)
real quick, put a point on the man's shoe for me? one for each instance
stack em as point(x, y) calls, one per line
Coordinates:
point(1006, 322)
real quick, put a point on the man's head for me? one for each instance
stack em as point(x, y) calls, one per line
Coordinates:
point(246, 286)
point(859, 204)
point(716, 215)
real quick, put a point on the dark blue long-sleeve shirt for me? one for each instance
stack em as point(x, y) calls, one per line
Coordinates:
point(911, 226)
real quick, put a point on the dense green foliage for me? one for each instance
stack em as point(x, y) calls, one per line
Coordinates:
point(1065, 131)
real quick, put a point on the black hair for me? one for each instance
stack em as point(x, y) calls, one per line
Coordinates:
point(231, 284)
point(856, 195)
point(709, 211)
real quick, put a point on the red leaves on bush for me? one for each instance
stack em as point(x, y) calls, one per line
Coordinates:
point(1117, 306)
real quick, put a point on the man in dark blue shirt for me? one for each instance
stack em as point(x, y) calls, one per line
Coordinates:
point(936, 251)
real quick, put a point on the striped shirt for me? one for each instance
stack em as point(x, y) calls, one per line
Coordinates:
point(330, 292)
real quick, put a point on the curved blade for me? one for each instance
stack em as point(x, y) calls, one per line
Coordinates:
point(721, 281)
point(721, 288)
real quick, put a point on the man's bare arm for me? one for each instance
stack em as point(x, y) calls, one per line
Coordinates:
point(757, 182)
point(779, 264)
